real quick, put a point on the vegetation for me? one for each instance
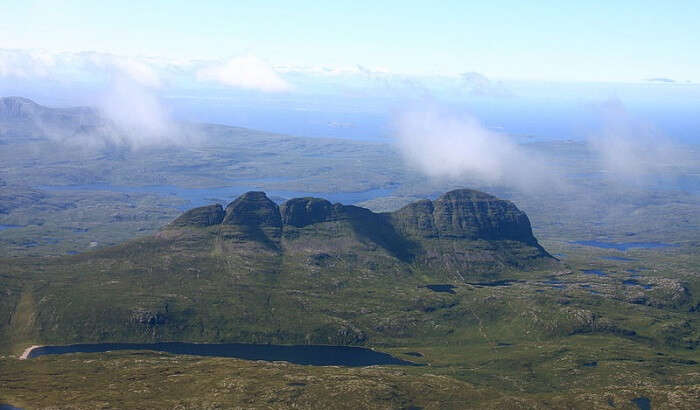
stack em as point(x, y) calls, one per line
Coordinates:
point(544, 332)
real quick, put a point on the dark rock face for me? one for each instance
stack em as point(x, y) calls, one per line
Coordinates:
point(253, 209)
point(417, 229)
point(301, 212)
point(203, 216)
point(465, 214)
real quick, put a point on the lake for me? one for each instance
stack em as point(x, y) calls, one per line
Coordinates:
point(642, 403)
point(205, 196)
point(594, 272)
point(3, 227)
point(442, 288)
point(315, 355)
point(623, 246)
point(617, 258)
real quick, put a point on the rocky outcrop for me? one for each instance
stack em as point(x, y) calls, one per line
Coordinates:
point(417, 229)
point(465, 214)
point(301, 212)
point(201, 217)
point(253, 209)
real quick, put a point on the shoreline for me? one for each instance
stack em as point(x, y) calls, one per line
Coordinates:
point(28, 351)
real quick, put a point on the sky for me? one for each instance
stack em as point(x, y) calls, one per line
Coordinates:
point(458, 86)
point(350, 69)
point(615, 41)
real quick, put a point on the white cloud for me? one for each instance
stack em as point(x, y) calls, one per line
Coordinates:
point(245, 72)
point(444, 145)
point(479, 84)
point(25, 64)
point(630, 149)
point(137, 112)
point(123, 89)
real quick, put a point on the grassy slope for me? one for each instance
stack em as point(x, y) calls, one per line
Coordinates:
point(528, 337)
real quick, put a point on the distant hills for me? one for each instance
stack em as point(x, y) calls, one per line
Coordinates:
point(23, 118)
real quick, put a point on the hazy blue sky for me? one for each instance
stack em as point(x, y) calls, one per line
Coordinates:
point(544, 40)
point(349, 68)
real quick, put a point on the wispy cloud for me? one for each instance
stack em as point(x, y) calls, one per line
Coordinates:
point(124, 91)
point(441, 144)
point(629, 148)
point(480, 85)
point(660, 80)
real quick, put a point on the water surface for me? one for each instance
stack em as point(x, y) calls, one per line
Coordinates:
point(442, 288)
point(2, 228)
point(205, 196)
point(623, 246)
point(316, 355)
point(594, 272)
point(642, 403)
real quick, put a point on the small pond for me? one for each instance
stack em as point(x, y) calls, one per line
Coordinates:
point(642, 403)
point(442, 288)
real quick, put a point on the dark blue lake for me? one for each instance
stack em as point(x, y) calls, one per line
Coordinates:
point(3, 227)
point(642, 403)
point(315, 355)
point(223, 195)
point(617, 258)
point(442, 288)
point(623, 246)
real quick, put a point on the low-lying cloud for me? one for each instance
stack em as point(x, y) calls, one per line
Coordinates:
point(124, 90)
point(452, 146)
point(624, 150)
point(630, 149)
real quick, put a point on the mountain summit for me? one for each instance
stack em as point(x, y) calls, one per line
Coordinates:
point(307, 271)
point(464, 228)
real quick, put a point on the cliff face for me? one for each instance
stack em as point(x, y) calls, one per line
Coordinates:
point(465, 214)
point(463, 229)
point(253, 209)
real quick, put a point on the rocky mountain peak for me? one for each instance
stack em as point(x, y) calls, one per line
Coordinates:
point(253, 209)
point(301, 212)
point(17, 107)
point(465, 214)
point(202, 217)
point(462, 214)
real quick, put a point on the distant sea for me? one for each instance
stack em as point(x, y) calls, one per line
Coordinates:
point(373, 120)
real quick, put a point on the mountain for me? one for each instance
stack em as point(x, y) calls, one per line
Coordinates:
point(21, 119)
point(470, 231)
point(458, 283)
point(256, 271)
